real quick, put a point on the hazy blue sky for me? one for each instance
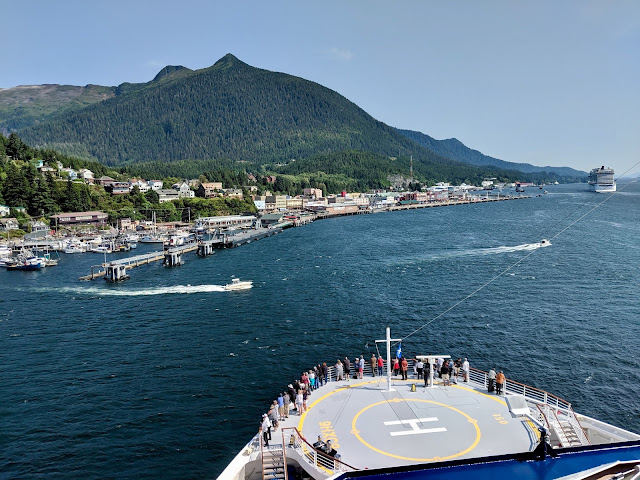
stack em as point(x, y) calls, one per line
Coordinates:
point(544, 82)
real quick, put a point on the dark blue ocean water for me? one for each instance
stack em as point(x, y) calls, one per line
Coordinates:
point(135, 380)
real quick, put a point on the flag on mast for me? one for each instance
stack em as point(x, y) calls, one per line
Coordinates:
point(399, 350)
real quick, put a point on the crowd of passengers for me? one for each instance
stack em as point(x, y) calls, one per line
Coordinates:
point(293, 400)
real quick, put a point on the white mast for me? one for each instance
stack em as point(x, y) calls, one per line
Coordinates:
point(388, 341)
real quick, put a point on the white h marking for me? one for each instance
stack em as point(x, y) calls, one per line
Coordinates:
point(415, 430)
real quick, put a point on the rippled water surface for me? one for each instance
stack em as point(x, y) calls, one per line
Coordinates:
point(166, 375)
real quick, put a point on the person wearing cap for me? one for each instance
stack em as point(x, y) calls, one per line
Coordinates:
point(266, 429)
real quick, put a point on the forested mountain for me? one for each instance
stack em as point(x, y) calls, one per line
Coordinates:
point(235, 114)
point(28, 105)
point(230, 110)
point(455, 149)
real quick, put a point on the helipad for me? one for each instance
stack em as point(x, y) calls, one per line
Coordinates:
point(372, 427)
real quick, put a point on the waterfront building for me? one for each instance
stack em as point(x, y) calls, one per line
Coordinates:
point(226, 221)
point(4, 210)
point(295, 203)
point(313, 192)
point(76, 218)
point(271, 219)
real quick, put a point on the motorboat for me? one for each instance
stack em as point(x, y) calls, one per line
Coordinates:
point(101, 249)
point(27, 263)
point(237, 284)
point(545, 243)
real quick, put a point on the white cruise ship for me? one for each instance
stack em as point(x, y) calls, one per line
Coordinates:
point(601, 180)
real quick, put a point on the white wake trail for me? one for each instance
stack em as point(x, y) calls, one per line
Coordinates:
point(115, 292)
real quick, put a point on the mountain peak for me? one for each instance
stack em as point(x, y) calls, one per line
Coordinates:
point(228, 61)
point(170, 70)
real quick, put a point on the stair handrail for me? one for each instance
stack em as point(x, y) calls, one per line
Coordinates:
point(261, 454)
point(320, 460)
point(284, 456)
point(577, 427)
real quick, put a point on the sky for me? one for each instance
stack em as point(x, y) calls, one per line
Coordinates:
point(541, 82)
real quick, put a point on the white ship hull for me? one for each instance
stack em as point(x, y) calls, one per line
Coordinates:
point(603, 188)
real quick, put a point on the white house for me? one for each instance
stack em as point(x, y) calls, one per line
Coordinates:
point(142, 185)
point(4, 210)
point(155, 185)
point(69, 172)
point(183, 189)
point(86, 175)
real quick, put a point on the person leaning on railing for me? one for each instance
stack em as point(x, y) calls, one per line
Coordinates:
point(500, 380)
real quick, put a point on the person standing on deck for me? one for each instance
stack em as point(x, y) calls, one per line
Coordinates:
point(465, 370)
point(405, 368)
point(347, 368)
point(444, 373)
point(492, 380)
point(266, 429)
point(299, 402)
point(380, 365)
point(281, 406)
point(420, 368)
point(339, 371)
point(325, 372)
point(396, 366)
point(374, 364)
point(500, 381)
point(360, 363)
point(287, 401)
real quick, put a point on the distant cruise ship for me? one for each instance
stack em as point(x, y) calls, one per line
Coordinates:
point(601, 180)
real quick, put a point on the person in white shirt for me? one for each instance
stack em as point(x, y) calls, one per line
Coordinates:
point(266, 429)
point(465, 370)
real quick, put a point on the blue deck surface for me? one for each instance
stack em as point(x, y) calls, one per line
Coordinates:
point(568, 462)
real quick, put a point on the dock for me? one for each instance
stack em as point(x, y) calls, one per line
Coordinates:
point(117, 269)
point(226, 240)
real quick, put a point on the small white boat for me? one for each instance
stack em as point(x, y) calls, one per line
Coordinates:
point(236, 284)
point(101, 249)
point(545, 243)
point(74, 248)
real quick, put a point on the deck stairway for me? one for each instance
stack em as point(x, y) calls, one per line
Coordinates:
point(274, 465)
point(564, 425)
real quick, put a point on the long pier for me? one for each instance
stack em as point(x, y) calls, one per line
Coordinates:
point(118, 267)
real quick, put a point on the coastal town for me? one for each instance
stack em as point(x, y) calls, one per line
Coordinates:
point(94, 231)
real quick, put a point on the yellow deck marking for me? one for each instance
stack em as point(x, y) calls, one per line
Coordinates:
point(434, 459)
point(356, 431)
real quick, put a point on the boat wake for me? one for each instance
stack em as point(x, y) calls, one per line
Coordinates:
point(472, 252)
point(116, 292)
